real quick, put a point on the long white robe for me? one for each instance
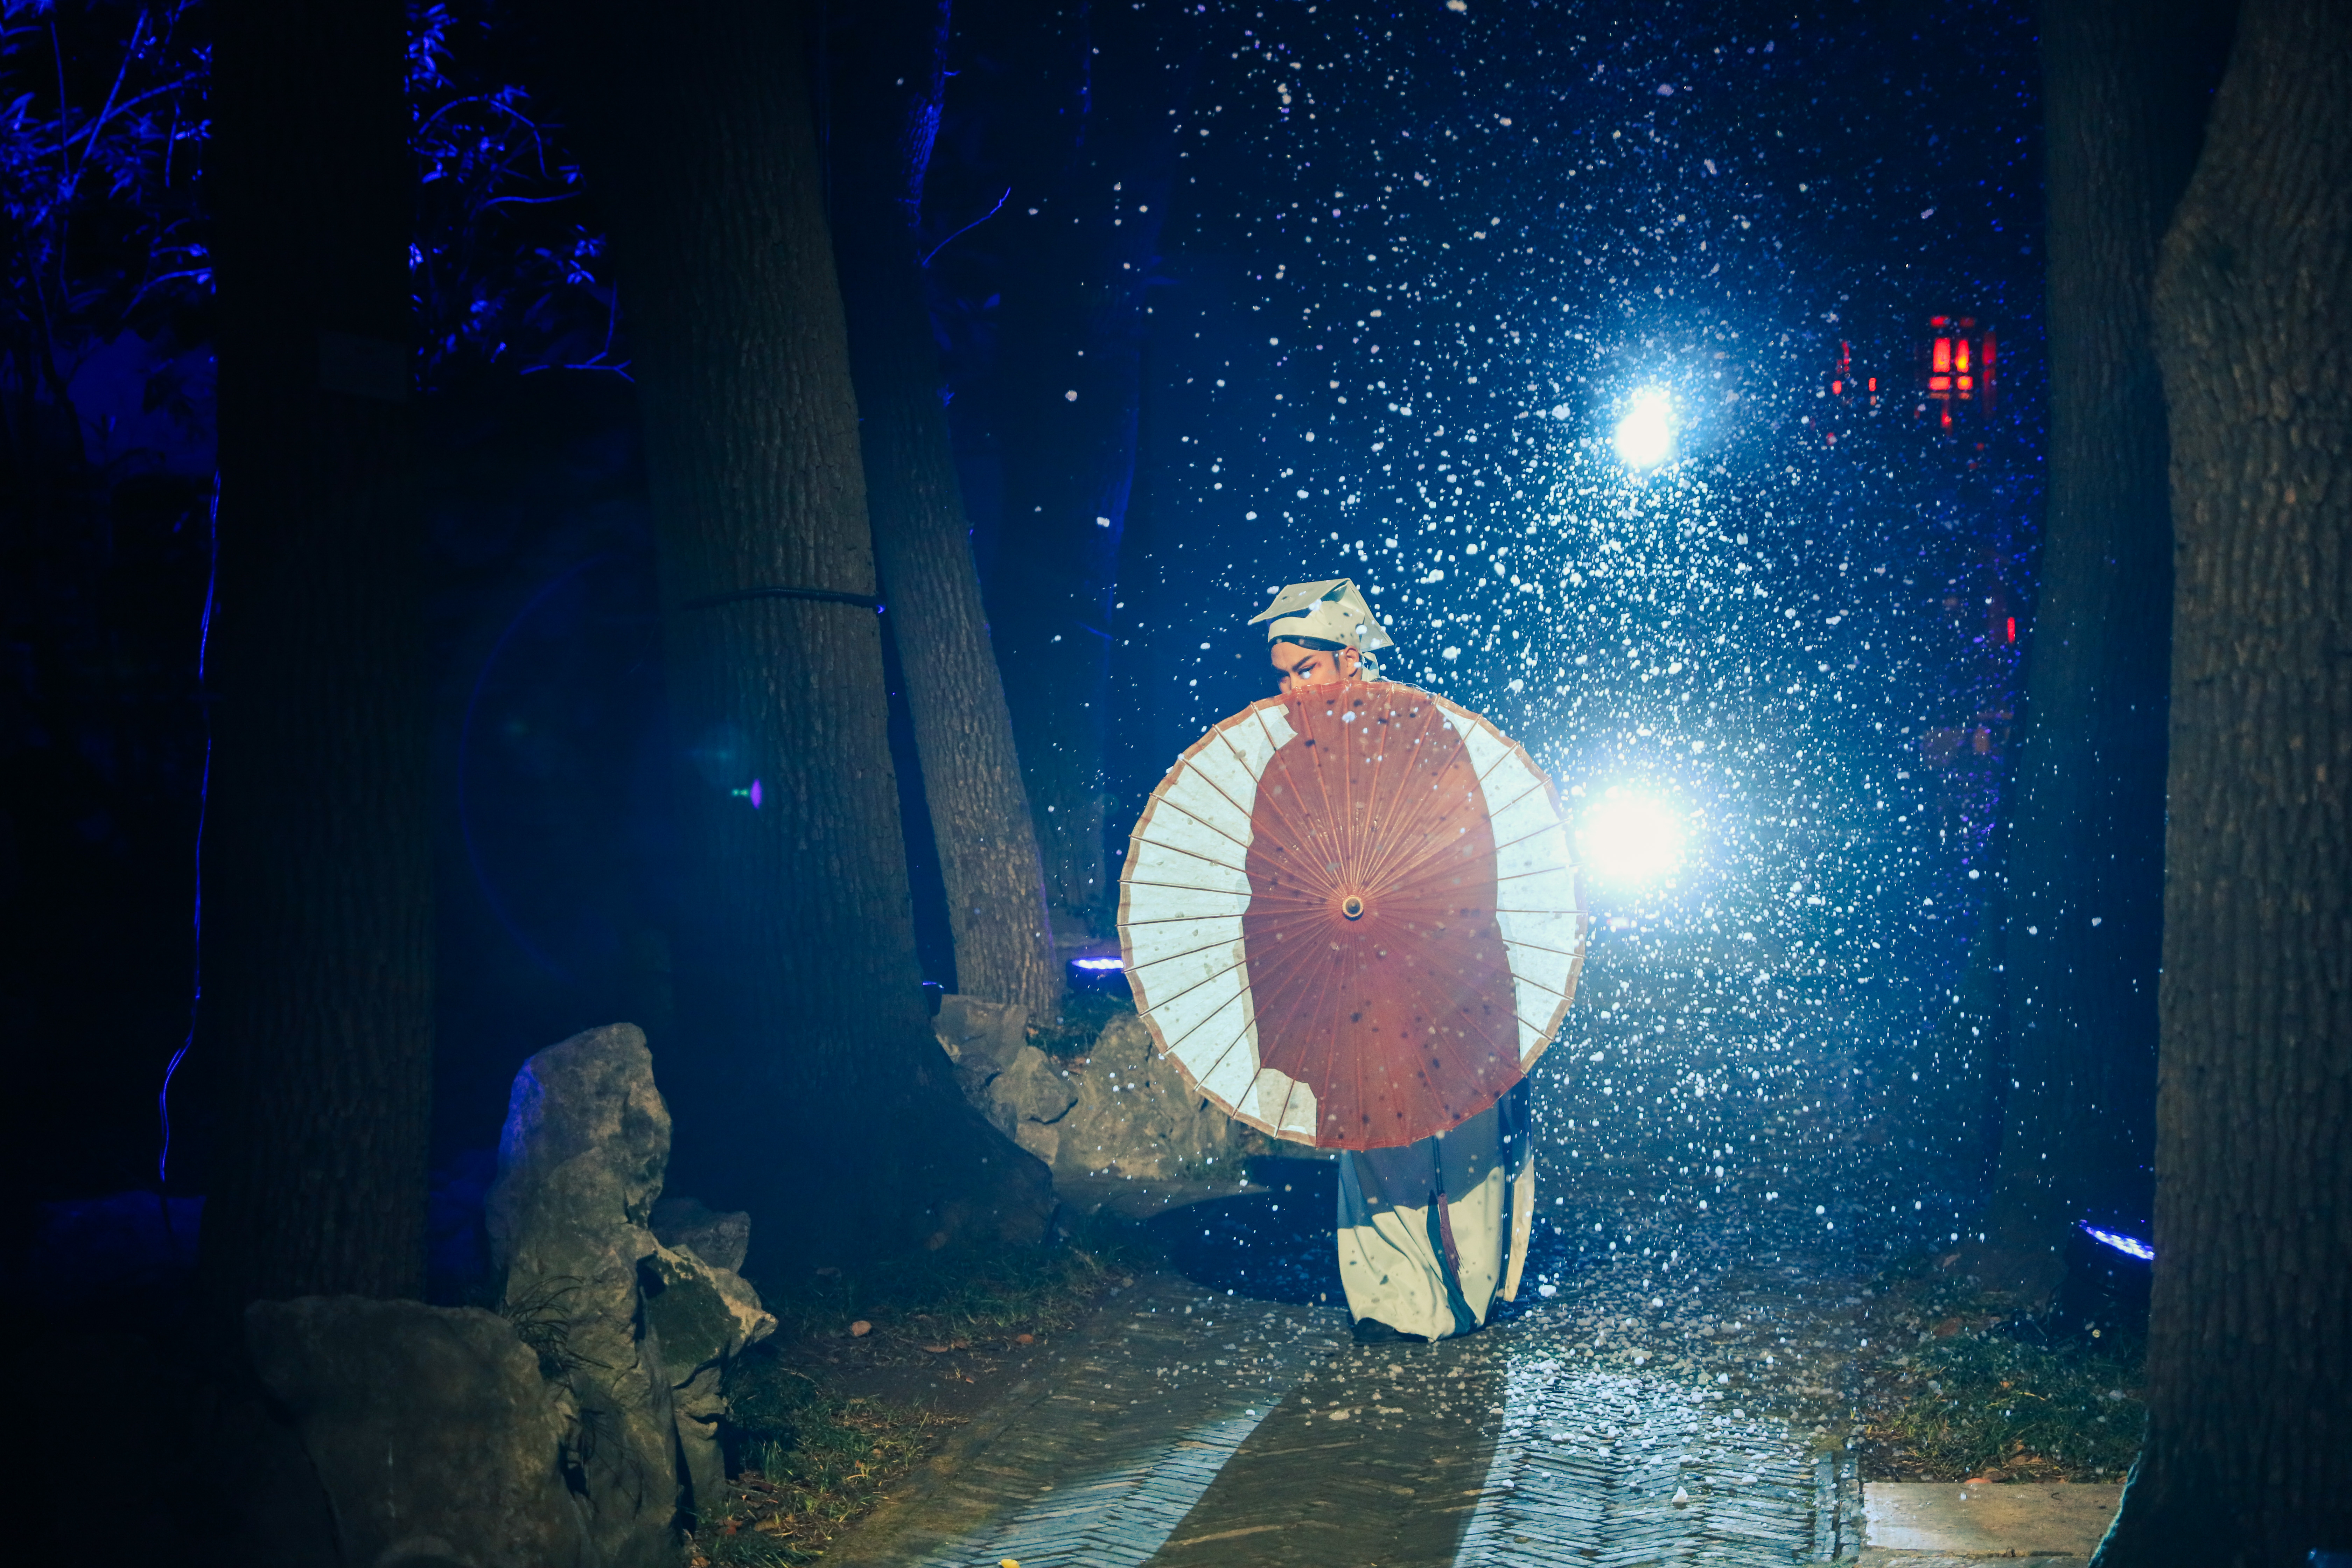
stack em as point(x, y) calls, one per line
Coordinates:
point(1431, 1235)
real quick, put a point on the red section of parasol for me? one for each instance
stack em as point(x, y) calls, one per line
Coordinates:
point(1376, 962)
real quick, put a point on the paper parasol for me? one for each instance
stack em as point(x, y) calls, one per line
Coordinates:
point(1349, 916)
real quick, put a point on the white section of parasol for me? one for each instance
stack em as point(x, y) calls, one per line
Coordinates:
point(1222, 1054)
point(1218, 791)
point(1170, 871)
point(1174, 828)
point(1251, 743)
point(1185, 951)
point(1195, 984)
point(1535, 883)
point(1297, 1111)
point(1281, 1101)
point(1161, 941)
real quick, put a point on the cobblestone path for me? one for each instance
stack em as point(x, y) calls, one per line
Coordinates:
point(1099, 1457)
point(1189, 1429)
point(1676, 1386)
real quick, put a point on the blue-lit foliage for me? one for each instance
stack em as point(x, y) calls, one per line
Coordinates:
point(102, 133)
point(509, 267)
point(108, 277)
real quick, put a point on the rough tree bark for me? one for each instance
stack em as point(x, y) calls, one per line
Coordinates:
point(805, 1080)
point(887, 74)
point(2124, 91)
point(318, 918)
point(2248, 1455)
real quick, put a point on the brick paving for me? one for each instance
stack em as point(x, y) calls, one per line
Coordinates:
point(1676, 1384)
point(1186, 1429)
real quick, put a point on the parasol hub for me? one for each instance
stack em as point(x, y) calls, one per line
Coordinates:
point(1352, 906)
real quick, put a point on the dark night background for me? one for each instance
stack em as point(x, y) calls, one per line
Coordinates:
point(1337, 289)
point(405, 668)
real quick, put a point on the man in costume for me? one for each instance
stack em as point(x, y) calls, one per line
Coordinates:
point(1432, 1233)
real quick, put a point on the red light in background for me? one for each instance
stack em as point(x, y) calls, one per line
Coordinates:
point(2013, 628)
point(1960, 368)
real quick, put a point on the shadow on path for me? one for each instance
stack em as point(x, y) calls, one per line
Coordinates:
point(1277, 1245)
point(1375, 1457)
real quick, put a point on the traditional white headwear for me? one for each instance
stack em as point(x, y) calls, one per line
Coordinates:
point(1332, 612)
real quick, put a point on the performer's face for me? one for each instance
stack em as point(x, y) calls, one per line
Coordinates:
point(1303, 667)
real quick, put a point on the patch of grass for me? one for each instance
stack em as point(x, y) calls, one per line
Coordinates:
point(1085, 1015)
point(1987, 1394)
point(814, 1463)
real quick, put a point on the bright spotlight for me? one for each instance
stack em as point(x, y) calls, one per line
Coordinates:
point(1645, 436)
point(1630, 839)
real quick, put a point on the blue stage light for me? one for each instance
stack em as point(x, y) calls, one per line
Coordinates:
point(2130, 1245)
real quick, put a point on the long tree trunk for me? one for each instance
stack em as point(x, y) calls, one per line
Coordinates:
point(318, 913)
point(805, 1080)
point(888, 74)
point(2123, 89)
point(2248, 1456)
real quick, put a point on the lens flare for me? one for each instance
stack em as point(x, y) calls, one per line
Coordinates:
point(1630, 839)
point(1645, 436)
